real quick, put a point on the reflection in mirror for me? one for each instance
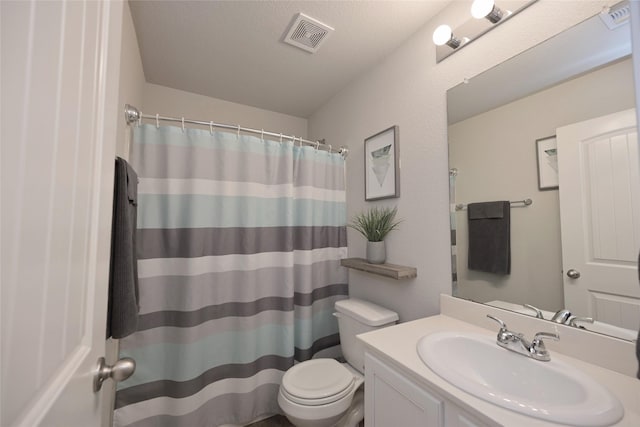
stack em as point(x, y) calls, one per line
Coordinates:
point(494, 122)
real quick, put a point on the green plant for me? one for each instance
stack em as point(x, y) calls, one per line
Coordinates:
point(375, 223)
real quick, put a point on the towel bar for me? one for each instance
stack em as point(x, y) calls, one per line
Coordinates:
point(525, 202)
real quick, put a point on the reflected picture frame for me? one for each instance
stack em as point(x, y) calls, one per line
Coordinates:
point(381, 165)
point(547, 162)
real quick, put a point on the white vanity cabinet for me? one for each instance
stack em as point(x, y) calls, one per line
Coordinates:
point(402, 391)
point(394, 400)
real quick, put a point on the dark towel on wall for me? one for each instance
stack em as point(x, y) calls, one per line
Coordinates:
point(122, 315)
point(490, 237)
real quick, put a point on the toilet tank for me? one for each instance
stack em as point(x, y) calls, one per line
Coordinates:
point(355, 317)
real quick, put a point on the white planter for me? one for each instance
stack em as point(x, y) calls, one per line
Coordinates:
point(376, 252)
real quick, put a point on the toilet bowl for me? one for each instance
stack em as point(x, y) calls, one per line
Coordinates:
point(318, 392)
point(325, 392)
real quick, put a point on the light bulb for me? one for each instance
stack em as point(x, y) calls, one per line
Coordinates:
point(486, 9)
point(442, 35)
point(481, 8)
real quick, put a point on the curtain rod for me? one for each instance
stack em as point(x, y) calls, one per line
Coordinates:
point(525, 202)
point(133, 115)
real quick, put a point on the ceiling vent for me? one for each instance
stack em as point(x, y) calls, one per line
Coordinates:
point(615, 18)
point(307, 33)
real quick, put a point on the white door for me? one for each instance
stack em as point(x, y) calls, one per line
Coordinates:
point(600, 218)
point(60, 73)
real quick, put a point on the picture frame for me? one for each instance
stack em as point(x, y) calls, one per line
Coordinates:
point(381, 165)
point(547, 162)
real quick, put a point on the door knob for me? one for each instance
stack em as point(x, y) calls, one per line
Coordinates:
point(120, 371)
point(573, 274)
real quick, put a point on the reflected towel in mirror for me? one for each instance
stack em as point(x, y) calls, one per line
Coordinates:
point(490, 237)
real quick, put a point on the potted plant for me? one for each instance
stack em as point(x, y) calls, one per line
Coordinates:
point(374, 224)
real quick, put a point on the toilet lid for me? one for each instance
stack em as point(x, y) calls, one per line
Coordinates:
point(317, 382)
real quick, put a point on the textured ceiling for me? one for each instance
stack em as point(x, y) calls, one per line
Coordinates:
point(233, 50)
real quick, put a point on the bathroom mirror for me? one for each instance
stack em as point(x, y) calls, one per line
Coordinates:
point(495, 122)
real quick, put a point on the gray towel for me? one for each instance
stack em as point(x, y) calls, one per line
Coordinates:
point(122, 317)
point(490, 237)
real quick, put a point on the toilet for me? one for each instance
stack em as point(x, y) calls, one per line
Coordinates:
point(324, 392)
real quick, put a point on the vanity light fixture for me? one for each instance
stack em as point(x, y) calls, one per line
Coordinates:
point(487, 16)
point(443, 35)
point(486, 9)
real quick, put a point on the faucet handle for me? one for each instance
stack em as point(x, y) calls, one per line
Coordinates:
point(536, 309)
point(537, 349)
point(537, 342)
point(504, 335)
point(538, 336)
point(574, 319)
point(502, 324)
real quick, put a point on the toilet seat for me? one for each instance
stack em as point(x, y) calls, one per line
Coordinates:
point(317, 382)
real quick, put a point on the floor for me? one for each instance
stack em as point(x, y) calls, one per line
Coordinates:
point(278, 421)
point(275, 421)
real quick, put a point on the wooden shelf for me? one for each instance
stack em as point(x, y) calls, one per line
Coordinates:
point(388, 270)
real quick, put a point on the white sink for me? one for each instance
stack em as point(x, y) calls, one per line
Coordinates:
point(552, 391)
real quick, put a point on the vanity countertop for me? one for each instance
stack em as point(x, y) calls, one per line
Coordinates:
point(397, 345)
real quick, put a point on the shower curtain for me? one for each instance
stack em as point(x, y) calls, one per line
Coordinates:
point(239, 247)
point(453, 173)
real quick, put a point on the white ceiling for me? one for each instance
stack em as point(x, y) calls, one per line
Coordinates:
point(232, 50)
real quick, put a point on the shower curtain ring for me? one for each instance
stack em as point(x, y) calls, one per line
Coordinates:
point(262, 135)
point(317, 145)
point(280, 137)
point(211, 127)
point(330, 148)
point(238, 131)
point(183, 124)
point(157, 120)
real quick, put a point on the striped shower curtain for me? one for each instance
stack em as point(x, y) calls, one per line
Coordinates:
point(453, 173)
point(239, 246)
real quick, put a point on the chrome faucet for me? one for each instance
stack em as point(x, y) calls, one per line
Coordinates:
point(561, 316)
point(517, 343)
point(565, 317)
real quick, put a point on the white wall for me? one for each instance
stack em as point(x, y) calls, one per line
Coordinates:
point(176, 103)
point(495, 155)
point(409, 89)
point(131, 79)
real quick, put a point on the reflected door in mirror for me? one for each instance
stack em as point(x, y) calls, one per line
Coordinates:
point(600, 217)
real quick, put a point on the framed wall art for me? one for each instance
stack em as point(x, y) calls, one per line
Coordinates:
point(381, 165)
point(547, 155)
